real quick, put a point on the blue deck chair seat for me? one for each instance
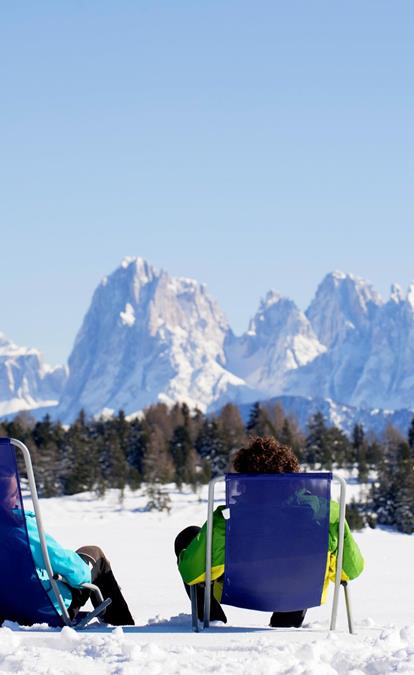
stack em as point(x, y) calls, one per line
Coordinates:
point(23, 597)
point(277, 536)
point(276, 540)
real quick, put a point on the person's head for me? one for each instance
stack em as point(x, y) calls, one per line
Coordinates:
point(266, 455)
point(9, 491)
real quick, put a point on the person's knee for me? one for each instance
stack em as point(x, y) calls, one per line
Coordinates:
point(184, 538)
point(92, 553)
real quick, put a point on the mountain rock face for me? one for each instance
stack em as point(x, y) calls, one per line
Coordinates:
point(148, 337)
point(387, 379)
point(280, 340)
point(369, 362)
point(26, 382)
point(343, 305)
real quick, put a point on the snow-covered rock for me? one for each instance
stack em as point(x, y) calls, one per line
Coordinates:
point(26, 381)
point(148, 337)
point(387, 379)
point(280, 339)
point(369, 362)
point(343, 304)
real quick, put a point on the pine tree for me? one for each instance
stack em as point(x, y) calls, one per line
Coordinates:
point(259, 423)
point(183, 458)
point(80, 458)
point(231, 428)
point(158, 464)
point(317, 442)
point(277, 418)
point(404, 490)
point(354, 516)
point(374, 453)
point(357, 444)
point(136, 447)
point(363, 470)
point(211, 446)
point(338, 447)
point(383, 497)
point(411, 436)
point(48, 442)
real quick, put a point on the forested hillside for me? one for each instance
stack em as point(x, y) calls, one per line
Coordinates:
point(173, 444)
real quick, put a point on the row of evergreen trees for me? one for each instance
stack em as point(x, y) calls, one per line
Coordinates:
point(166, 445)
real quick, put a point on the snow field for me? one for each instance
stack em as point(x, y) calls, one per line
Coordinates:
point(140, 547)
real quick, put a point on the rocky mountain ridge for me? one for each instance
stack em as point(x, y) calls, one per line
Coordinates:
point(148, 337)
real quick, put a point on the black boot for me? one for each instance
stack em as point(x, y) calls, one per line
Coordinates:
point(287, 619)
point(117, 613)
point(216, 610)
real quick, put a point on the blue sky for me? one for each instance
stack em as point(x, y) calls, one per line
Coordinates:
point(251, 145)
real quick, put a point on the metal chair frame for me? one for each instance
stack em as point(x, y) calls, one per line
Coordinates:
point(338, 583)
point(53, 577)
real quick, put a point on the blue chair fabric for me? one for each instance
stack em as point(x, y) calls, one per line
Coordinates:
point(22, 596)
point(276, 540)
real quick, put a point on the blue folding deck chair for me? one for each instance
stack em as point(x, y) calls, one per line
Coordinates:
point(276, 552)
point(22, 596)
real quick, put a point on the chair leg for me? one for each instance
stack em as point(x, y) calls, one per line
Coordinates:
point(194, 608)
point(348, 606)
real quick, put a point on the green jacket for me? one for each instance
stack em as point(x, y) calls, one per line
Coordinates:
point(192, 559)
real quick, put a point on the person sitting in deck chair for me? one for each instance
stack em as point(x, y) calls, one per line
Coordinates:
point(263, 455)
point(87, 565)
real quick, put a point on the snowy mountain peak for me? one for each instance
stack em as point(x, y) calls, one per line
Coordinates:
point(343, 302)
point(148, 336)
point(26, 381)
point(338, 276)
point(137, 269)
point(271, 298)
point(410, 295)
point(273, 312)
point(396, 294)
point(280, 339)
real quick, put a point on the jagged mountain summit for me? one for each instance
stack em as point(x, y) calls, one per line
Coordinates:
point(370, 346)
point(149, 337)
point(387, 379)
point(280, 339)
point(26, 381)
point(343, 304)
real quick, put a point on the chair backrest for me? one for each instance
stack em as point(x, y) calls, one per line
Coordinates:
point(276, 540)
point(22, 596)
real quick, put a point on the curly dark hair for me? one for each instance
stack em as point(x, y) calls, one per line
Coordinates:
point(266, 455)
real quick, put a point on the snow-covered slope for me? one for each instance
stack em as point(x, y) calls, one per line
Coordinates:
point(26, 382)
point(388, 374)
point(280, 339)
point(369, 362)
point(148, 337)
point(140, 547)
point(344, 304)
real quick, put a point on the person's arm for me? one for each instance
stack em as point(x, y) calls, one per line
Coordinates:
point(192, 562)
point(353, 562)
point(65, 562)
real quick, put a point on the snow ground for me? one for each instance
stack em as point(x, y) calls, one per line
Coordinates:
point(140, 547)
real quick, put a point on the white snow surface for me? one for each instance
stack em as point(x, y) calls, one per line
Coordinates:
point(140, 547)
